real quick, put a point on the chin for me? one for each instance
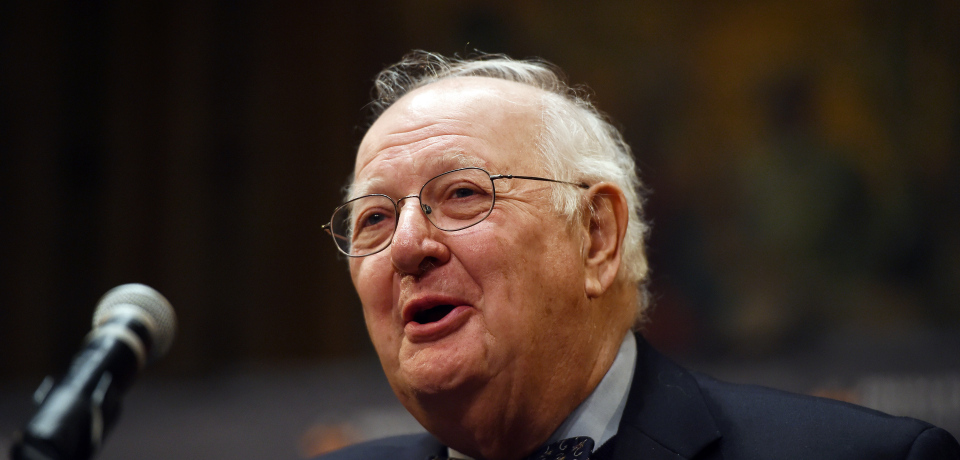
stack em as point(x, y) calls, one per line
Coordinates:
point(440, 370)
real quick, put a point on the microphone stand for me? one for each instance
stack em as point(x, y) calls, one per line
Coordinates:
point(48, 437)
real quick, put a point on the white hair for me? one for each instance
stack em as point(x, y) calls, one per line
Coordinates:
point(577, 142)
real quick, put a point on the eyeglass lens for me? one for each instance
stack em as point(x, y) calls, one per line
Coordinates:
point(451, 201)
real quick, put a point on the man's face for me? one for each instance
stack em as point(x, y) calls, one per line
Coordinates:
point(505, 298)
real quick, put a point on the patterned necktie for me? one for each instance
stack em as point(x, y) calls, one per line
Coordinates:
point(578, 448)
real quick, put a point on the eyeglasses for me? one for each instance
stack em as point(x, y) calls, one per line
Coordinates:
point(451, 201)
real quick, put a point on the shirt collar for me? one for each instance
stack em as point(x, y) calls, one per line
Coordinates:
point(599, 415)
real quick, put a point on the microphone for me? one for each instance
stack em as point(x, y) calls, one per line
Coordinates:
point(133, 325)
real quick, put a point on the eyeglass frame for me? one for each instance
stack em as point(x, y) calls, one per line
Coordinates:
point(327, 227)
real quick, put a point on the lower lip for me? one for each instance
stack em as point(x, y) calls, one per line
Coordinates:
point(418, 333)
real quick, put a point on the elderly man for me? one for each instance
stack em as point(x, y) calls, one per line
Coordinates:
point(495, 236)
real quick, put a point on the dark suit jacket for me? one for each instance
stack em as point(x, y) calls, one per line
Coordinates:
point(675, 414)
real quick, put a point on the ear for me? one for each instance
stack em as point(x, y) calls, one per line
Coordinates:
point(603, 243)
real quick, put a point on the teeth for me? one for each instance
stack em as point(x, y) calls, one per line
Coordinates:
point(432, 314)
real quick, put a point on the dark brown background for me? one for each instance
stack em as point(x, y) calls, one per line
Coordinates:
point(803, 158)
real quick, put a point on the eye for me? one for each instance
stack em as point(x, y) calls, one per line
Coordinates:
point(463, 192)
point(373, 219)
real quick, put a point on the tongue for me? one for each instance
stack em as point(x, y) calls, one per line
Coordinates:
point(433, 314)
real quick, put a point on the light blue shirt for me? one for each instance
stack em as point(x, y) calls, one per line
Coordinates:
point(599, 415)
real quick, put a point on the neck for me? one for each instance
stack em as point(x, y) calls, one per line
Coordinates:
point(486, 423)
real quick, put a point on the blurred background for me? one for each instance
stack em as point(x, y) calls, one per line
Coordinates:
point(804, 159)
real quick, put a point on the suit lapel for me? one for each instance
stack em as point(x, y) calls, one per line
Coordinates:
point(666, 416)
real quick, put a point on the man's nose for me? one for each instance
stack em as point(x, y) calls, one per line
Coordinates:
point(415, 247)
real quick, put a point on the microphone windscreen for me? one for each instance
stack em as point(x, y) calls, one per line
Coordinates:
point(161, 321)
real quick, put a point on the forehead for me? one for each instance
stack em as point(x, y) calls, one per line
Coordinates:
point(463, 121)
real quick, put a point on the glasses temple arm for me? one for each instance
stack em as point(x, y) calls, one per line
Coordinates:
point(544, 179)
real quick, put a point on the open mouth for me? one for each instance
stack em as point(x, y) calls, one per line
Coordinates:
point(432, 315)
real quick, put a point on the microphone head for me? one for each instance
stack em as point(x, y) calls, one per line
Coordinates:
point(160, 320)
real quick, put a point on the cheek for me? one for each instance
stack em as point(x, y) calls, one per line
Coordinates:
point(527, 278)
point(372, 280)
point(374, 285)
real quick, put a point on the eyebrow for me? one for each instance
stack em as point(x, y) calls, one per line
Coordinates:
point(450, 161)
point(355, 190)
